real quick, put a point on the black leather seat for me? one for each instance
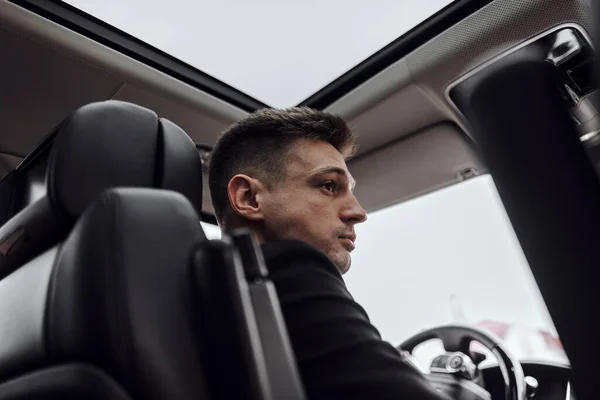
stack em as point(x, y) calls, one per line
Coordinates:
point(108, 313)
point(104, 312)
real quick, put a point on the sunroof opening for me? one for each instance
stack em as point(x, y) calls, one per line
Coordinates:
point(279, 52)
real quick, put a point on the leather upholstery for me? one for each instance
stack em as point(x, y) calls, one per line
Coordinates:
point(116, 295)
point(99, 146)
point(125, 267)
point(117, 144)
point(64, 382)
point(22, 311)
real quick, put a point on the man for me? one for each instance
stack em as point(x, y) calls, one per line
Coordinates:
point(282, 174)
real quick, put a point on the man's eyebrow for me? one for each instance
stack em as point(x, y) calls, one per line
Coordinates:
point(334, 170)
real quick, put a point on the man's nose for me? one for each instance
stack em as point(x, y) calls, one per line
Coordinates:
point(353, 213)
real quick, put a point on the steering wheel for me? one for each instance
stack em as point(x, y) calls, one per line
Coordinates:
point(457, 338)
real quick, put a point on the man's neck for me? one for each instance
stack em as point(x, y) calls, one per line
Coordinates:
point(231, 228)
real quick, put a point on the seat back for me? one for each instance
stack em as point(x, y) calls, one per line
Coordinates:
point(111, 306)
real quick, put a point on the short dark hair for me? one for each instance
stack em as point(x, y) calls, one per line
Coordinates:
point(257, 146)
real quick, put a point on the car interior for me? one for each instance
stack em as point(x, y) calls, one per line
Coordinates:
point(111, 286)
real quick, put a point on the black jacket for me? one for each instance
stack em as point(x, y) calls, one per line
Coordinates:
point(339, 352)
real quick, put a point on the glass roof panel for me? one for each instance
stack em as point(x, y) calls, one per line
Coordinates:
point(277, 51)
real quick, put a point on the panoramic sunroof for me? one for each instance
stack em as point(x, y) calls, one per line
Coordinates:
point(278, 51)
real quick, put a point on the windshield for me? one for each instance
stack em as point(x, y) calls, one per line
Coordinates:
point(450, 256)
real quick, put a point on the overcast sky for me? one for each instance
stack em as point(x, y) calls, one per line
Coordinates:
point(410, 258)
point(278, 51)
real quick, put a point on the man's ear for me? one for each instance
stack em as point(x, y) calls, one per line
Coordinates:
point(242, 191)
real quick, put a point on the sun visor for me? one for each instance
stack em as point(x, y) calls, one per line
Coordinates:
point(423, 162)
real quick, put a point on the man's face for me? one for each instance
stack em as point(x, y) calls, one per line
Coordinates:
point(315, 203)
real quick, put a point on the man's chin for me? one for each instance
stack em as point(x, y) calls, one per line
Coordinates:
point(342, 262)
point(345, 269)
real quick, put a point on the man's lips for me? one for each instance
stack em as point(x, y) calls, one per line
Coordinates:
point(349, 241)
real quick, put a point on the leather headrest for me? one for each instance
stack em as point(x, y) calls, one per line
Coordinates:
point(98, 147)
point(118, 144)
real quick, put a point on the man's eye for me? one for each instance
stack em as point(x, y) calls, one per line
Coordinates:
point(330, 186)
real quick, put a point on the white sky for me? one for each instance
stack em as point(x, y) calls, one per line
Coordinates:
point(277, 51)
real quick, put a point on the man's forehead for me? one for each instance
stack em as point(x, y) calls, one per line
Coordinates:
point(311, 154)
